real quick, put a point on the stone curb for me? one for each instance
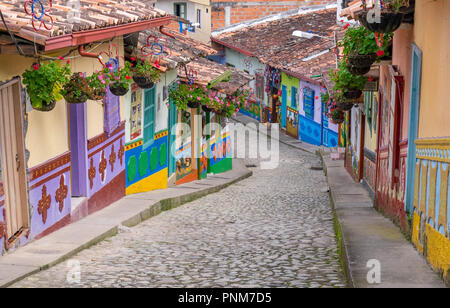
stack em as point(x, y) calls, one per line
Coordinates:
point(30, 263)
point(344, 249)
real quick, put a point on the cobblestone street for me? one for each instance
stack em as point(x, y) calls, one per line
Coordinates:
point(274, 229)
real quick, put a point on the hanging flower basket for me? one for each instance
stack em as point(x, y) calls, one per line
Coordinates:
point(362, 61)
point(44, 82)
point(97, 94)
point(358, 71)
point(389, 21)
point(119, 89)
point(193, 104)
point(352, 93)
point(145, 75)
point(336, 116)
point(77, 90)
point(143, 82)
point(344, 106)
point(45, 106)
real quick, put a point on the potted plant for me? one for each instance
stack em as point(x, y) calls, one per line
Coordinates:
point(120, 80)
point(76, 90)
point(44, 82)
point(97, 84)
point(390, 17)
point(145, 75)
point(345, 83)
point(179, 95)
point(336, 116)
point(361, 50)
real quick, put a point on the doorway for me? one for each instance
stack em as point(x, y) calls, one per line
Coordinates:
point(413, 126)
point(13, 160)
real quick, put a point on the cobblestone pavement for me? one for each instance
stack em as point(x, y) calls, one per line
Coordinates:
point(274, 229)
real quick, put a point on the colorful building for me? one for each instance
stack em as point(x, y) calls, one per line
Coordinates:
point(286, 70)
point(68, 162)
point(410, 176)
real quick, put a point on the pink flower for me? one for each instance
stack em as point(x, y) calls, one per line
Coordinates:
point(68, 61)
point(104, 82)
point(61, 58)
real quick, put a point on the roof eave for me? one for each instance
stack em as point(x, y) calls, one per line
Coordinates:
point(245, 52)
point(89, 36)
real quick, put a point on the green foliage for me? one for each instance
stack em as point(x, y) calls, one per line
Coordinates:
point(394, 5)
point(344, 80)
point(188, 93)
point(44, 82)
point(121, 77)
point(145, 69)
point(359, 40)
point(98, 80)
point(77, 90)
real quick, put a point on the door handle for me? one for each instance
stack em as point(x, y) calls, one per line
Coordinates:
point(17, 162)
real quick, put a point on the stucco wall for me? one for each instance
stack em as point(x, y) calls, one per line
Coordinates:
point(47, 135)
point(401, 57)
point(202, 34)
point(239, 61)
point(432, 36)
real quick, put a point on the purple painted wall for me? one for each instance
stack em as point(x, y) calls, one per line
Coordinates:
point(57, 191)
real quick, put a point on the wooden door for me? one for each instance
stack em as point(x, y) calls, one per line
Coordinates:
point(13, 159)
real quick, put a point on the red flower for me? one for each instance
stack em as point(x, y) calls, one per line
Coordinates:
point(380, 53)
point(370, 79)
point(68, 61)
point(61, 58)
point(346, 26)
point(36, 66)
point(128, 77)
point(133, 59)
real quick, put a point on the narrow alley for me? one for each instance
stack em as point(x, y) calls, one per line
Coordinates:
point(250, 234)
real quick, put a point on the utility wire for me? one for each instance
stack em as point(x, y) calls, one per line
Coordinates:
point(12, 35)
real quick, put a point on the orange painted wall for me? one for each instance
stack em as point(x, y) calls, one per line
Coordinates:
point(401, 57)
point(432, 36)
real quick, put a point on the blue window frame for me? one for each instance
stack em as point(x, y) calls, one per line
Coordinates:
point(308, 102)
point(294, 98)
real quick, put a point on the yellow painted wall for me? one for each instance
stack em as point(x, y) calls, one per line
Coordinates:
point(47, 135)
point(432, 36)
point(47, 131)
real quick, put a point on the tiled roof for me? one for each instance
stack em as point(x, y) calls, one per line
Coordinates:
point(69, 18)
point(273, 43)
point(180, 49)
point(207, 71)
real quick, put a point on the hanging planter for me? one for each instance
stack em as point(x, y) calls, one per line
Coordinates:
point(143, 82)
point(358, 71)
point(77, 90)
point(145, 75)
point(362, 60)
point(336, 116)
point(344, 105)
point(45, 106)
point(361, 48)
point(352, 93)
point(120, 79)
point(193, 104)
point(389, 21)
point(44, 82)
point(97, 83)
point(119, 89)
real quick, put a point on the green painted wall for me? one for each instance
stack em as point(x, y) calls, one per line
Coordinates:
point(290, 82)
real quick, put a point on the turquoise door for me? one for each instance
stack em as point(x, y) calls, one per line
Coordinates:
point(283, 106)
point(413, 126)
